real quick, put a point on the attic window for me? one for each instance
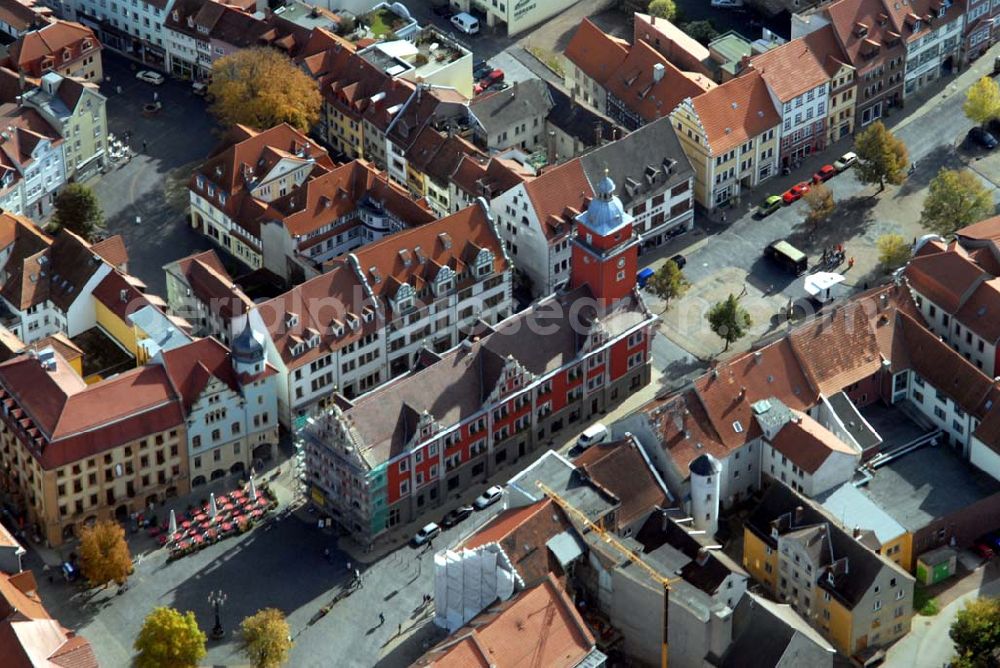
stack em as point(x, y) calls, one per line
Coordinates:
point(87, 44)
point(291, 319)
point(860, 29)
point(376, 277)
point(368, 313)
point(67, 54)
point(222, 198)
point(737, 427)
point(200, 182)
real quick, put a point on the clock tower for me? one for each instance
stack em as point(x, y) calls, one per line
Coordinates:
point(605, 247)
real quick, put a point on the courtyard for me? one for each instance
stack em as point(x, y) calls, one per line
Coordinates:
point(152, 186)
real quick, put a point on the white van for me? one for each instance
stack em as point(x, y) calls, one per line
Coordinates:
point(592, 435)
point(465, 22)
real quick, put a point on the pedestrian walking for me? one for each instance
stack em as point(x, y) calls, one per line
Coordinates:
point(399, 631)
point(381, 619)
point(118, 89)
point(723, 216)
point(348, 567)
point(143, 145)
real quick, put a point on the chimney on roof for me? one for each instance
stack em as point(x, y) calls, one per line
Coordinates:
point(757, 356)
point(658, 71)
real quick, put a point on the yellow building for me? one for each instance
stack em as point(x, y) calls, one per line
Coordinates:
point(105, 450)
point(840, 120)
point(856, 598)
point(730, 135)
point(880, 531)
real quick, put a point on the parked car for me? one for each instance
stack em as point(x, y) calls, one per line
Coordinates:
point(199, 88)
point(592, 435)
point(795, 192)
point(643, 277)
point(455, 516)
point(465, 22)
point(679, 260)
point(488, 498)
point(980, 136)
point(845, 161)
point(770, 204)
point(480, 69)
point(492, 77)
point(825, 173)
point(426, 534)
point(983, 549)
point(151, 77)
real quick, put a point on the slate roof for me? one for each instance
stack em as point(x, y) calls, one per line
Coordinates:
point(501, 109)
point(767, 634)
point(853, 508)
point(646, 162)
point(780, 503)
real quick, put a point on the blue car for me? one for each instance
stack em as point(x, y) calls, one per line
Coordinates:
point(643, 277)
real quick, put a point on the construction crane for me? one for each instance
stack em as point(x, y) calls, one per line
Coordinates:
point(610, 539)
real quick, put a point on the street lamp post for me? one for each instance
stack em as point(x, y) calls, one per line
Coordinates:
point(217, 599)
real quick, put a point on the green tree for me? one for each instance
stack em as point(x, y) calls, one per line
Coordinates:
point(893, 251)
point(982, 101)
point(820, 205)
point(955, 198)
point(77, 210)
point(104, 554)
point(668, 283)
point(729, 320)
point(976, 634)
point(169, 639)
point(703, 31)
point(662, 9)
point(266, 638)
point(881, 156)
point(262, 87)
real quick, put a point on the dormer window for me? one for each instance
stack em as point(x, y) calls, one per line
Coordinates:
point(484, 263)
point(87, 44)
point(291, 320)
point(222, 198)
point(211, 190)
point(941, 11)
point(67, 54)
point(368, 313)
point(200, 182)
point(337, 328)
point(177, 15)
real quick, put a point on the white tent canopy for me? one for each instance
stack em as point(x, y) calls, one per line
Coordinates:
point(819, 285)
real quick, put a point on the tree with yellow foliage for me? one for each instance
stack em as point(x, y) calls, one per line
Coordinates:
point(261, 88)
point(982, 101)
point(104, 555)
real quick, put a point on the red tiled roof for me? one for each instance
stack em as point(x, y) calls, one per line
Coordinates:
point(596, 53)
point(944, 368)
point(633, 83)
point(728, 391)
point(556, 190)
point(29, 636)
point(735, 112)
point(944, 278)
point(112, 250)
point(80, 420)
point(530, 525)
point(981, 311)
point(328, 197)
point(801, 64)
point(55, 45)
point(540, 626)
point(808, 444)
point(837, 349)
point(846, 17)
point(987, 229)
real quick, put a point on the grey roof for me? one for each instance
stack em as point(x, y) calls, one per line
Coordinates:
point(563, 478)
point(523, 100)
point(928, 484)
point(853, 508)
point(566, 547)
point(644, 163)
point(580, 121)
point(778, 507)
point(766, 632)
point(246, 346)
point(859, 429)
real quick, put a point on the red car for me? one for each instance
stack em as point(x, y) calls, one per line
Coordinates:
point(825, 173)
point(493, 77)
point(795, 192)
point(982, 548)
